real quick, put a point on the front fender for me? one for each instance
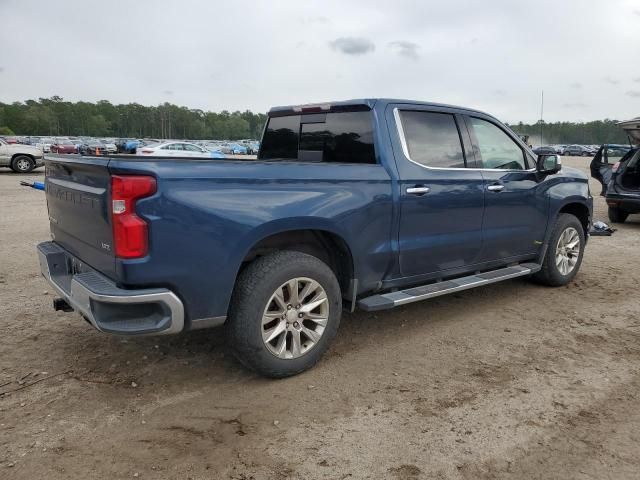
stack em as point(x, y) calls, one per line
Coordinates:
point(563, 192)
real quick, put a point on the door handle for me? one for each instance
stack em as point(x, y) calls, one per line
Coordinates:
point(495, 188)
point(417, 190)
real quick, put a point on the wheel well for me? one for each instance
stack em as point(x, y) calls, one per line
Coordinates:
point(22, 155)
point(327, 246)
point(580, 211)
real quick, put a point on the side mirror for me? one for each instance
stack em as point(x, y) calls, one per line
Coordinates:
point(548, 164)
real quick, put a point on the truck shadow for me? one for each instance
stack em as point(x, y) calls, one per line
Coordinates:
point(192, 356)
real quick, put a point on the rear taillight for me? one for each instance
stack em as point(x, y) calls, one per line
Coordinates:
point(615, 167)
point(146, 151)
point(130, 232)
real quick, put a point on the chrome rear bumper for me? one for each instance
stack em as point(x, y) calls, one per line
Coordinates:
point(149, 311)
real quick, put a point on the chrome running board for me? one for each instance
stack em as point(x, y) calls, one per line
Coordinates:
point(385, 301)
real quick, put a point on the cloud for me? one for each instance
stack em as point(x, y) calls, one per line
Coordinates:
point(636, 79)
point(405, 49)
point(353, 45)
point(168, 92)
point(612, 81)
point(574, 105)
point(636, 12)
point(633, 93)
point(576, 85)
point(317, 19)
point(500, 92)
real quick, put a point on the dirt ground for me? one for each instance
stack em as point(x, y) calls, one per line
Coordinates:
point(510, 381)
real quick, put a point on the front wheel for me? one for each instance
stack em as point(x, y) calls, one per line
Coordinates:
point(617, 216)
point(564, 256)
point(22, 164)
point(284, 313)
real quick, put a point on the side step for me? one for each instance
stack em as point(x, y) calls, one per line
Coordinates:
point(401, 297)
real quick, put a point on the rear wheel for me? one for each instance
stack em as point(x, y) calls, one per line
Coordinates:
point(616, 215)
point(22, 164)
point(284, 313)
point(564, 255)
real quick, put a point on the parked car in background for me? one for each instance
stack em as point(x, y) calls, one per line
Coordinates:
point(238, 149)
point(253, 148)
point(214, 149)
point(63, 146)
point(620, 182)
point(92, 147)
point(45, 143)
point(617, 168)
point(127, 145)
point(544, 150)
point(177, 149)
point(20, 158)
point(559, 149)
point(225, 148)
point(109, 145)
point(77, 142)
point(577, 151)
point(369, 204)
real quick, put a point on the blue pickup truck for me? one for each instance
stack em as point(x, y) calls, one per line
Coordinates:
point(367, 204)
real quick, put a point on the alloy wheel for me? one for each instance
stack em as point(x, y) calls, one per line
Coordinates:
point(568, 251)
point(295, 318)
point(23, 165)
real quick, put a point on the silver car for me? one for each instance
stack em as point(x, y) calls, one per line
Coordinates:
point(20, 158)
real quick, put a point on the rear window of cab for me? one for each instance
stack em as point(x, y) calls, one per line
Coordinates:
point(333, 137)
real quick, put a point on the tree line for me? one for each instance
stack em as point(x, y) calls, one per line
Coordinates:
point(588, 133)
point(56, 117)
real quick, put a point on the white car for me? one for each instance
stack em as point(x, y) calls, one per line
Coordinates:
point(45, 143)
point(20, 158)
point(175, 149)
point(109, 146)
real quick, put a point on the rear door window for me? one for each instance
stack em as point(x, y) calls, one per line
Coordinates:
point(335, 137)
point(432, 139)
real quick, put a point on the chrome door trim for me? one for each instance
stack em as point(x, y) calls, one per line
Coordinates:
point(405, 149)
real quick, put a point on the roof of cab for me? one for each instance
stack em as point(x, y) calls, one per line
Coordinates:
point(364, 102)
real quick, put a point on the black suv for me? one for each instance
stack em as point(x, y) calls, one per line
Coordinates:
point(617, 168)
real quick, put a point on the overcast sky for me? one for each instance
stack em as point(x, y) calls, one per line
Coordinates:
point(495, 55)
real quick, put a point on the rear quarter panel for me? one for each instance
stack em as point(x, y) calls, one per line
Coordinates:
point(207, 215)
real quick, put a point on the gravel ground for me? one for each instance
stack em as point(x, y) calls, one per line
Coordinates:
point(512, 380)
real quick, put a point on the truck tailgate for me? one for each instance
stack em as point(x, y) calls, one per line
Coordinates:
point(78, 201)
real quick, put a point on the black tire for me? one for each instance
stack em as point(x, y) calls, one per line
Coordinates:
point(254, 288)
point(22, 164)
point(617, 216)
point(550, 273)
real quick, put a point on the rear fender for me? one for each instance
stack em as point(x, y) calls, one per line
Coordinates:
point(284, 225)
